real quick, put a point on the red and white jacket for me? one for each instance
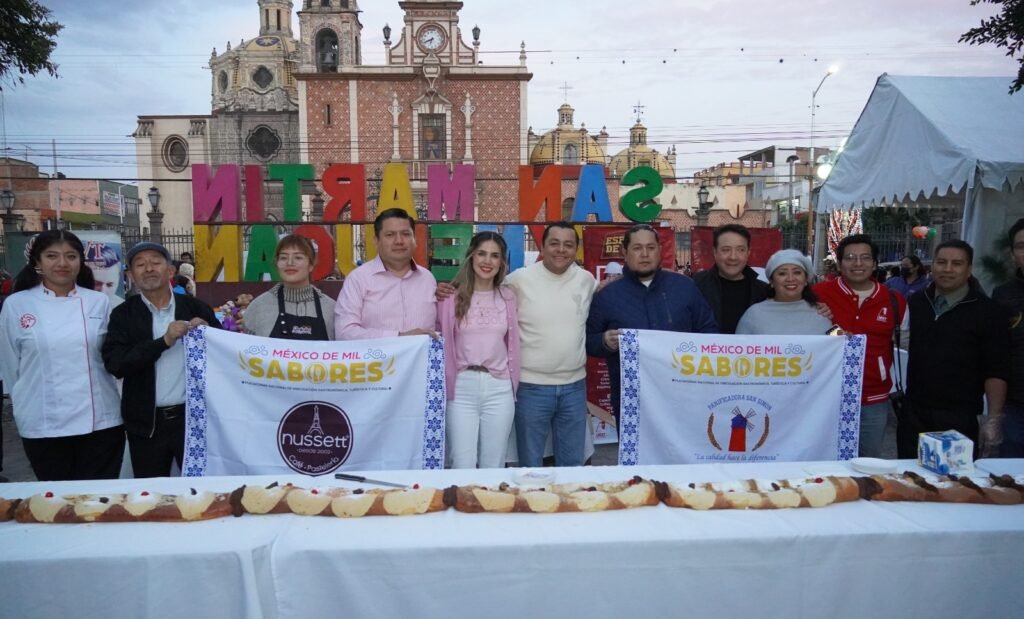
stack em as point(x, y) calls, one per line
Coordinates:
point(874, 319)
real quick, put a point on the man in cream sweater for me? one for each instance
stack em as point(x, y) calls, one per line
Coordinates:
point(553, 301)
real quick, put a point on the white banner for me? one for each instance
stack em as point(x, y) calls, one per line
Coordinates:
point(715, 398)
point(258, 405)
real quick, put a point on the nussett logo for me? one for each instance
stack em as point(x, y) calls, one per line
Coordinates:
point(315, 438)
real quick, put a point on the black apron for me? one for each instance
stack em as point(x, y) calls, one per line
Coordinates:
point(289, 327)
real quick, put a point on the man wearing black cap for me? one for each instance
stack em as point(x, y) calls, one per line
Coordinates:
point(143, 346)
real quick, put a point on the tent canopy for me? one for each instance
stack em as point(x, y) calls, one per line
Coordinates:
point(928, 136)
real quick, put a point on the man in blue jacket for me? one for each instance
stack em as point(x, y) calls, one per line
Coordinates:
point(646, 297)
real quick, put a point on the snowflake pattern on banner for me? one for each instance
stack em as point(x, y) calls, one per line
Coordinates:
point(849, 410)
point(195, 403)
point(433, 412)
point(629, 418)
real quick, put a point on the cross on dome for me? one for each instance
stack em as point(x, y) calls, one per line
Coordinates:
point(638, 109)
point(565, 88)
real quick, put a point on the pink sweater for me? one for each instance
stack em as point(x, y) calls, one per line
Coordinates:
point(448, 325)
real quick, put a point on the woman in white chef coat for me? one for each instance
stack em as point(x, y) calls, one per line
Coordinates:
point(65, 403)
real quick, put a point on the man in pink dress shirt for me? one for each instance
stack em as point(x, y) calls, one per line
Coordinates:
point(390, 295)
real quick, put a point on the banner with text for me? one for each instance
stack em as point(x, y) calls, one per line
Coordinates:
point(258, 405)
point(714, 398)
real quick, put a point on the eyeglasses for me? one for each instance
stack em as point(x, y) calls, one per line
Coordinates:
point(858, 258)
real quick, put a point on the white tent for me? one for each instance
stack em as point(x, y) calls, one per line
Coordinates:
point(925, 138)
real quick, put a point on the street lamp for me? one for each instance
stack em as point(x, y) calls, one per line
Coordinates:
point(703, 205)
point(11, 221)
point(7, 199)
point(813, 162)
point(154, 198)
point(156, 218)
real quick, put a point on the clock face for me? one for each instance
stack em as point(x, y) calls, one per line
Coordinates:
point(431, 38)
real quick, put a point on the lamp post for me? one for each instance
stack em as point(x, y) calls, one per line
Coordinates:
point(813, 162)
point(791, 160)
point(156, 217)
point(11, 221)
point(703, 205)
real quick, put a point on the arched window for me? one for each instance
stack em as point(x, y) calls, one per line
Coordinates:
point(432, 137)
point(570, 155)
point(326, 51)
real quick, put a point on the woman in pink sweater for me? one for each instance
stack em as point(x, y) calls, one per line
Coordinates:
point(481, 356)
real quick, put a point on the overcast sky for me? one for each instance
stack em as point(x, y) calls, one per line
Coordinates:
point(718, 78)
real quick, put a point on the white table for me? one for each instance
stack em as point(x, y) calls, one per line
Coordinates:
point(849, 560)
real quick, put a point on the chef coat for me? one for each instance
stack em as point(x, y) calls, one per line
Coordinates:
point(50, 361)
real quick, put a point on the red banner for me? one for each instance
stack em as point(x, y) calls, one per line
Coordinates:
point(763, 243)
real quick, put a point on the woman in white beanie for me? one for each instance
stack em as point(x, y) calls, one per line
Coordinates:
point(791, 307)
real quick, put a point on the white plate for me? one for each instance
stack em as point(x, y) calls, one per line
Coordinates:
point(873, 466)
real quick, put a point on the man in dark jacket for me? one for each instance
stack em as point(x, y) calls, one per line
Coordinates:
point(646, 297)
point(731, 286)
point(143, 346)
point(1011, 297)
point(959, 351)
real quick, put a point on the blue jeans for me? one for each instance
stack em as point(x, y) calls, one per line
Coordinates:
point(1013, 432)
point(559, 409)
point(873, 419)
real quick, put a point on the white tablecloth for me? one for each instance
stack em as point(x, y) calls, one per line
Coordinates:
point(849, 560)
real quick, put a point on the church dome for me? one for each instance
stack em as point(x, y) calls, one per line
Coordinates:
point(640, 154)
point(270, 44)
point(568, 145)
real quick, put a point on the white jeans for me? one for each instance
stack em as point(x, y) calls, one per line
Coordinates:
point(479, 421)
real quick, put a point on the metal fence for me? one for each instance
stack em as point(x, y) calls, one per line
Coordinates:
point(893, 242)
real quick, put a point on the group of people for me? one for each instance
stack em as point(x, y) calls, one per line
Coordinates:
point(515, 344)
point(62, 348)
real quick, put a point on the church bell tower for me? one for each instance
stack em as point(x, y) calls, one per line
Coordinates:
point(331, 35)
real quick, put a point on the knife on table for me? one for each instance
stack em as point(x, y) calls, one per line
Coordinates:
point(367, 480)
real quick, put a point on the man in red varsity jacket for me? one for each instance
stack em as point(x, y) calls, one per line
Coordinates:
point(862, 306)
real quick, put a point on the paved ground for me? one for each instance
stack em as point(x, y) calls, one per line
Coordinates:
point(16, 467)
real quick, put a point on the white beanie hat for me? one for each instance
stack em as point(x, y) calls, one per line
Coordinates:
point(789, 256)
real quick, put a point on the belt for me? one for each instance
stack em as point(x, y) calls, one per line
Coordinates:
point(476, 368)
point(170, 412)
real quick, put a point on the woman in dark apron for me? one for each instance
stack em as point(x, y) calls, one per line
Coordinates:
point(293, 309)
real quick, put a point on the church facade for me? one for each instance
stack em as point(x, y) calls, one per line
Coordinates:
point(432, 102)
point(253, 119)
